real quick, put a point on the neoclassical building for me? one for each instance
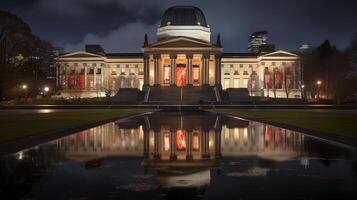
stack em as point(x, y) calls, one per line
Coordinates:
point(183, 64)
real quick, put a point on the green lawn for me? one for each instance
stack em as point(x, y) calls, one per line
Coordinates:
point(21, 124)
point(329, 121)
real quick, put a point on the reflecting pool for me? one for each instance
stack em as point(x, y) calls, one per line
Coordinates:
point(192, 155)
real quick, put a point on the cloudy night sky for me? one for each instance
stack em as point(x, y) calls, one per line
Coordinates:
point(119, 25)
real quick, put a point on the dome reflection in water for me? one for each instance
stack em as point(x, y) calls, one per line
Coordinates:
point(182, 155)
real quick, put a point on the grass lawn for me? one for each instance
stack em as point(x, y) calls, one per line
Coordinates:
point(20, 124)
point(329, 121)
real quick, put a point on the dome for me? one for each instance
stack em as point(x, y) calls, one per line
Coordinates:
point(183, 16)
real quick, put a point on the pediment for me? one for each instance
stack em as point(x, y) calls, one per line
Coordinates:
point(181, 42)
point(80, 54)
point(279, 54)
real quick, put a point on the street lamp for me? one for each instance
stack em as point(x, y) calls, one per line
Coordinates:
point(303, 92)
point(24, 86)
point(318, 88)
point(46, 89)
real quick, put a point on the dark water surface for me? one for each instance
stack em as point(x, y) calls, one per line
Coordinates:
point(182, 156)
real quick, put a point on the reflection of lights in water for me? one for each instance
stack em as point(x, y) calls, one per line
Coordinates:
point(236, 134)
point(20, 155)
point(141, 133)
point(304, 162)
point(45, 111)
point(245, 134)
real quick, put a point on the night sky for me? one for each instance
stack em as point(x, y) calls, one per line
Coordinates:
point(119, 25)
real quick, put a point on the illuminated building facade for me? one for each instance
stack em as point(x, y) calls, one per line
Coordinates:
point(182, 65)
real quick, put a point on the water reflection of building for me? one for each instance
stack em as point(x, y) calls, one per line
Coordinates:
point(183, 149)
point(183, 137)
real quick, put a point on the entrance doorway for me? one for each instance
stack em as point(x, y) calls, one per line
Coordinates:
point(181, 75)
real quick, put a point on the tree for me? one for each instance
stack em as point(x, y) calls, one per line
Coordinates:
point(331, 66)
point(24, 57)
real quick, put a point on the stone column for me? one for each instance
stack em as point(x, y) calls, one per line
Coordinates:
point(95, 77)
point(146, 70)
point(157, 59)
point(102, 76)
point(173, 154)
point(203, 80)
point(189, 146)
point(205, 69)
point(218, 70)
point(85, 77)
point(189, 68)
point(157, 153)
point(173, 69)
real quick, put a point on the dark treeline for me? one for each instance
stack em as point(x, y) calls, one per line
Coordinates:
point(335, 69)
point(24, 58)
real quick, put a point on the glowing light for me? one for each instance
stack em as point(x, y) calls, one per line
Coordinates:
point(302, 86)
point(24, 86)
point(46, 89)
point(318, 82)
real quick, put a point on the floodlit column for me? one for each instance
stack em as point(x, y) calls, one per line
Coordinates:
point(102, 76)
point(189, 146)
point(146, 70)
point(157, 69)
point(157, 154)
point(203, 81)
point(218, 70)
point(85, 77)
point(189, 68)
point(173, 155)
point(95, 77)
point(173, 69)
point(205, 69)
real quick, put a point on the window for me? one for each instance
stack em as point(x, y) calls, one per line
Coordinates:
point(122, 71)
point(236, 83)
point(132, 71)
point(227, 72)
point(127, 66)
point(236, 72)
point(99, 71)
point(141, 71)
point(250, 66)
point(241, 65)
point(118, 66)
point(167, 74)
point(136, 66)
point(231, 65)
point(245, 72)
point(114, 72)
point(245, 82)
point(196, 74)
point(273, 63)
point(226, 83)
